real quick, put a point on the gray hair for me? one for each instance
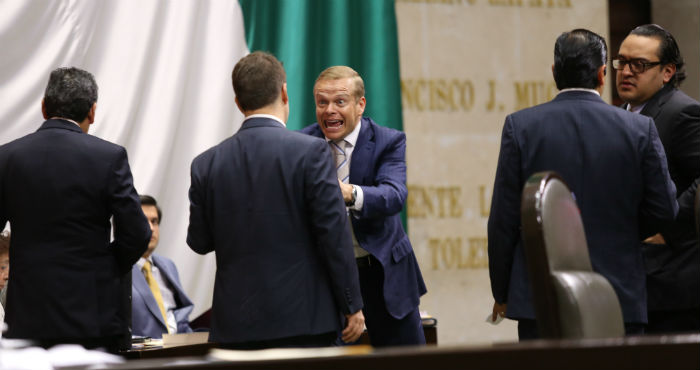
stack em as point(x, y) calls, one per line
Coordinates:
point(70, 93)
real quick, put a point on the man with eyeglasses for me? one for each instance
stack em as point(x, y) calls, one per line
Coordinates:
point(649, 69)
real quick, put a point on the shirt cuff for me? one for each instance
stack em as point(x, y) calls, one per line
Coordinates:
point(359, 199)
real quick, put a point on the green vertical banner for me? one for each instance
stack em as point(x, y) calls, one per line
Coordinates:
point(311, 35)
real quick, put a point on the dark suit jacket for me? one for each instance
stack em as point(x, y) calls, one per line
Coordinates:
point(267, 201)
point(378, 165)
point(614, 164)
point(673, 270)
point(146, 319)
point(58, 189)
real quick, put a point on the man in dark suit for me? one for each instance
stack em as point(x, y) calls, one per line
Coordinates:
point(649, 70)
point(267, 201)
point(371, 168)
point(59, 187)
point(158, 302)
point(614, 164)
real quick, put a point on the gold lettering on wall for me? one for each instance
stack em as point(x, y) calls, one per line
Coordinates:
point(451, 95)
point(449, 2)
point(484, 202)
point(434, 201)
point(506, 2)
point(439, 95)
point(452, 253)
point(503, 3)
point(532, 3)
point(530, 93)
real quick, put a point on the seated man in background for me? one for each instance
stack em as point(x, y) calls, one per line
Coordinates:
point(158, 303)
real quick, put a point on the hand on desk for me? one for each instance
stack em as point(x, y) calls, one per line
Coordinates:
point(499, 309)
point(354, 327)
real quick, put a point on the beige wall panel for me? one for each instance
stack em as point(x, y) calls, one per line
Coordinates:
point(682, 19)
point(465, 65)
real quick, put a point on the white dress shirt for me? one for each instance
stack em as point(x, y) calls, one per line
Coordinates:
point(350, 142)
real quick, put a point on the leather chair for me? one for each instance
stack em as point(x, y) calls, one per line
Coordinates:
point(570, 299)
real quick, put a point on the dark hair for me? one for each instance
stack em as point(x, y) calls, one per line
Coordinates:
point(4, 242)
point(668, 52)
point(147, 200)
point(577, 56)
point(257, 80)
point(70, 93)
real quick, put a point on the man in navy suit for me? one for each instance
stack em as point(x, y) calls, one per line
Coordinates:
point(612, 160)
point(59, 187)
point(267, 201)
point(164, 293)
point(371, 168)
point(650, 69)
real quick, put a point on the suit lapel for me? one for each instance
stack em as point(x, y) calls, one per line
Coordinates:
point(142, 288)
point(169, 276)
point(653, 106)
point(362, 154)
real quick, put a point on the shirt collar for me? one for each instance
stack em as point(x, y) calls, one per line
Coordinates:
point(636, 109)
point(578, 89)
point(142, 261)
point(261, 115)
point(66, 119)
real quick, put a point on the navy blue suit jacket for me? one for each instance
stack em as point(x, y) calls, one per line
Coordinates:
point(673, 270)
point(146, 319)
point(59, 188)
point(615, 165)
point(378, 166)
point(267, 201)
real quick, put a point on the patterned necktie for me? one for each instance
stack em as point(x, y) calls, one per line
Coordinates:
point(341, 161)
point(155, 289)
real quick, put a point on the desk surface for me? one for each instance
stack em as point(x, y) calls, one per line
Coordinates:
point(639, 352)
point(201, 349)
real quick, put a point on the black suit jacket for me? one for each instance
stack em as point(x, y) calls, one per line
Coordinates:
point(673, 270)
point(58, 189)
point(267, 201)
point(614, 164)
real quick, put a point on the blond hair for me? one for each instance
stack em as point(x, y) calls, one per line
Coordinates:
point(341, 72)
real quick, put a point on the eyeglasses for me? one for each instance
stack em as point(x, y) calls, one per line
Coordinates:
point(636, 65)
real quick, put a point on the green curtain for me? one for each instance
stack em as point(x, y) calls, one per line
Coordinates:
point(310, 35)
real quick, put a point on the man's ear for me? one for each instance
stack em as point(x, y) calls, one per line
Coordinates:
point(362, 102)
point(668, 70)
point(285, 96)
point(91, 113)
point(601, 74)
point(553, 74)
point(43, 109)
point(238, 104)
